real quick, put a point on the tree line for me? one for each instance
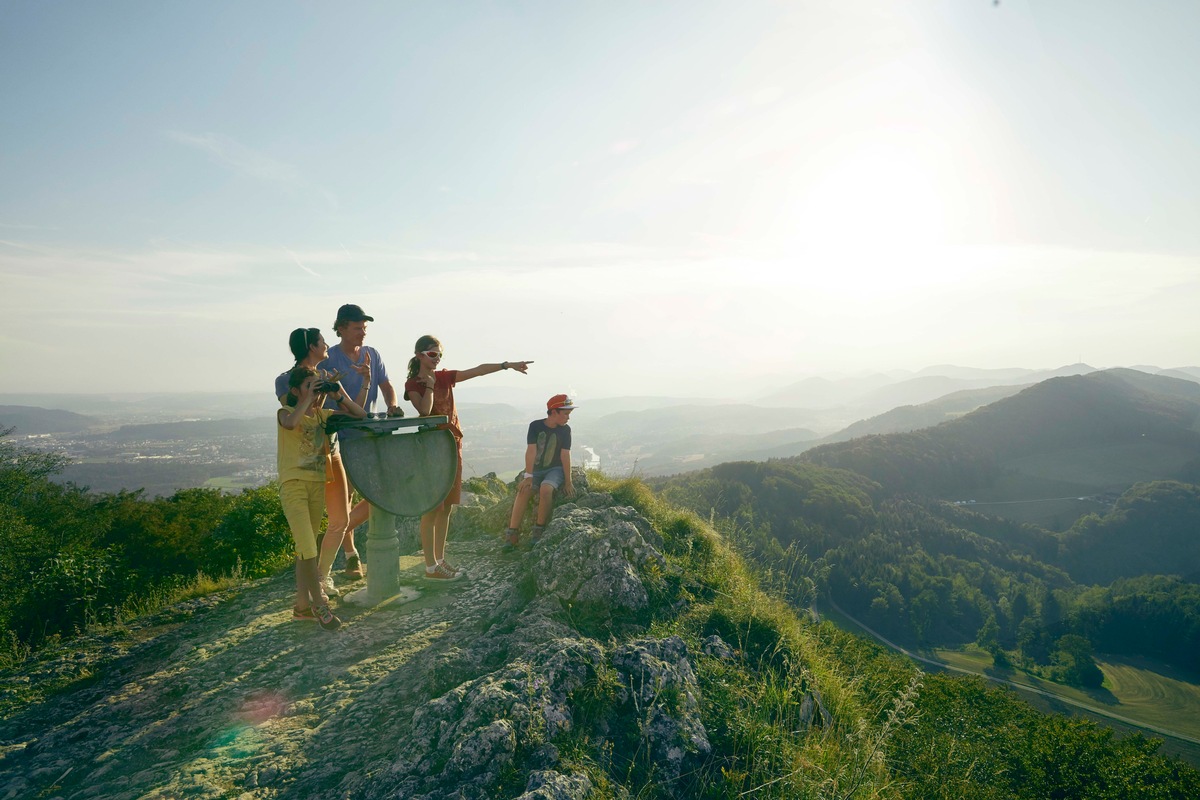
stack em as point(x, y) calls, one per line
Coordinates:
point(70, 557)
point(928, 573)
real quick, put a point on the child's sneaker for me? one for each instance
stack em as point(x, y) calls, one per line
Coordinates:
point(326, 618)
point(535, 535)
point(440, 573)
point(354, 568)
point(304, 615)
point(330, 589)
point(512, 538)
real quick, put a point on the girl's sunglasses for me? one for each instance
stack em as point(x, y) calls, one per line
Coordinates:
point(431, 354)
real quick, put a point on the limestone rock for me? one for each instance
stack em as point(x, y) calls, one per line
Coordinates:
point(592, 558)
point(659, 683)
point(551, 785)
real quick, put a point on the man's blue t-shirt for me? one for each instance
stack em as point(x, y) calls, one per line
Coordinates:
point(338, 361)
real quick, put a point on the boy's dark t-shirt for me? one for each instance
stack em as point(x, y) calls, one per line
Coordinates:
point(550, 443)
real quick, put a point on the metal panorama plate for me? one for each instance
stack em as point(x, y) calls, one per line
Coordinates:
point(407, 474)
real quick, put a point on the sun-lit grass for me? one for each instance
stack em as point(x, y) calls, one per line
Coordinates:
point(762, 747)
point(1149, 696)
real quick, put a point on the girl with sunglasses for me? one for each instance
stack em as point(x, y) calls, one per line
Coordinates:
point(310, 350)
point(431, 391)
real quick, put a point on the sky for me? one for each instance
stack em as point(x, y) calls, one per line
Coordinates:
point(645, 198)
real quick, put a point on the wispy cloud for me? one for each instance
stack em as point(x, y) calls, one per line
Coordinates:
point(239, 157)
point(300, 264)
point(253, 163)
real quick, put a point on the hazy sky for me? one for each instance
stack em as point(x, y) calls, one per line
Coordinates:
point(645, 197)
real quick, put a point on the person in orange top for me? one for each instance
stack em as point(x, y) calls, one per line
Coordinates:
point(431, 391)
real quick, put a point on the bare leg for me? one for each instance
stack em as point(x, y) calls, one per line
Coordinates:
point(335, 530)
point(358, 515)
point(545, 503)
point(519, 505)
point(441, 527)
point(427, 524)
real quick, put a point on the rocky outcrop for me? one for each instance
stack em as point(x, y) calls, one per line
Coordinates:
point(462, 693)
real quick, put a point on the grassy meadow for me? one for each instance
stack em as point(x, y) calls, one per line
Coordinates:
point(1142, 690)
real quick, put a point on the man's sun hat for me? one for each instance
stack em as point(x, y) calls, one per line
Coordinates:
point(353, 313)
point(560, 401)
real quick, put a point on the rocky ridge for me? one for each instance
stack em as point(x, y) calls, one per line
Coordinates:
point(469, 691)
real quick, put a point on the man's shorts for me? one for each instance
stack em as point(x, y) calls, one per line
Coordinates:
point(553, 476)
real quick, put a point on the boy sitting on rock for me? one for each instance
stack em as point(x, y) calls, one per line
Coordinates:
point(547, 467)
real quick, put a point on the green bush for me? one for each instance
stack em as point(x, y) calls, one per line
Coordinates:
point(69, 557)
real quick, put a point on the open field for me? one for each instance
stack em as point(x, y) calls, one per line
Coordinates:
point(1147, 694)
point(1145, 691)
point(1140, 690)
point(231, 483)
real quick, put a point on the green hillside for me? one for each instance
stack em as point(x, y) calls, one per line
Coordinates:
point(1040, 449)
point(863, 522)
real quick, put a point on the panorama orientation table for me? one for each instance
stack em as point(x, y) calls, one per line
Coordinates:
point(404, 467)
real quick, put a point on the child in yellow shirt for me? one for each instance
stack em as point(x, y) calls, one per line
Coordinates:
point(302, 453)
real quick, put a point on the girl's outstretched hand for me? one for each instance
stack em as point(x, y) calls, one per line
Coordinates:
point(520, 366)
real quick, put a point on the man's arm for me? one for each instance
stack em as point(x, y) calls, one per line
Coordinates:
point(389, 394)
point(568, 487)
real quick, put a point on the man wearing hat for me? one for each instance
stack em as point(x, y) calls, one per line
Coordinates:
point(358, 363)
point(547, 467)
point(350, 355)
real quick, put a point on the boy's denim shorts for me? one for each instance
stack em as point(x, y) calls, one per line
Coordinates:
point(553, 476)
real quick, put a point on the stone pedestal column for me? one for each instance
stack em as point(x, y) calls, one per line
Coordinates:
point(383, 561)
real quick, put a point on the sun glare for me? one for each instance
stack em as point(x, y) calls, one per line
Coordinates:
point(877, 197)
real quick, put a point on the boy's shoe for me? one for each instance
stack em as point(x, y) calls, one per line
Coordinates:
point(452, 568)
point(326, 619)
point(354, 567)
point(440, 573)
point(330, 589)
point(304, 614)
point(512, 539)
point(535, 535)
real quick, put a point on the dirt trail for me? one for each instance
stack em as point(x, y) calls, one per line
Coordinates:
point(228, 696)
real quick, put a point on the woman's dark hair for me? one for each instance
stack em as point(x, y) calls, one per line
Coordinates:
point(301, 340)
point(426, 342)
point(296, 377)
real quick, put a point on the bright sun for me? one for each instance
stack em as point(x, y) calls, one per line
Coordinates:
point(879, 196)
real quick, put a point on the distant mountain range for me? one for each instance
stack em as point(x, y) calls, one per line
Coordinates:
point(1066, 440)
point(880, 392)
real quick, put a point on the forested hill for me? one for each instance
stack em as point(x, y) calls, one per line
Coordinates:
point(866, 524)
point(193, 430)
point(32, 420)
point(1152, 414)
